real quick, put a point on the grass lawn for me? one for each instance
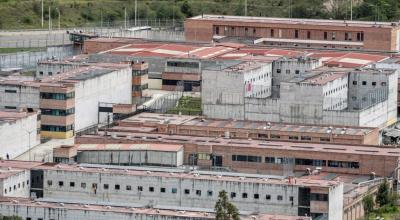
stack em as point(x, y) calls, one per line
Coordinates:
point(22, 49)
point(187, 106)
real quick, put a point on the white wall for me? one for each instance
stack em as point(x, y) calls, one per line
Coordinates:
point(16, 185)
point(14, 136)
point(169, 182)
point(114, 87)
point(336, 202)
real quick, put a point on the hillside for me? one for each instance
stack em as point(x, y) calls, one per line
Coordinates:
point(15, 14)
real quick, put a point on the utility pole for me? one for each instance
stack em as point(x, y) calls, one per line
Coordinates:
point(59, 19)
point(42, 15)
point(245, 7)
point(49, 18)
point(135, 13)
point(351, 10)
point(125, 18)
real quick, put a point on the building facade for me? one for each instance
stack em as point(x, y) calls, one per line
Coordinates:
point(19, 131)
point(289, 32)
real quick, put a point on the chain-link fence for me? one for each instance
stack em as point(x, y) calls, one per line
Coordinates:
point(28, 60)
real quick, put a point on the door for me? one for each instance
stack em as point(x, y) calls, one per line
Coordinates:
point(217, 161)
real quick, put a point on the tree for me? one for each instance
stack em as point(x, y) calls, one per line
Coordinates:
point(224, 210)
point(383, 196)
point(186, 9)
point(368, 204)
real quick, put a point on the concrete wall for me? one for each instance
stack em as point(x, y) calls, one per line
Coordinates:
point(14, 136)
point(16, 185)
point(36, 211)
point(174, 194)
point(285, 69)
point(258, 82)
point(335, 94)
point(45, 68)
point(336, 202)
point(23, 97)
point(222, 94)
point(113, 87)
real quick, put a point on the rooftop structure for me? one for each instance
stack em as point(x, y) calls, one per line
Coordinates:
point(269, 157)
point(197, 126)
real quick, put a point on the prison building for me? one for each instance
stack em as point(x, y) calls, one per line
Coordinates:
point(70, 95)
point(292, 32)
point(237, 129)
point(46, 210)
point(157, 188)
point(266, 157)
point(168, 155)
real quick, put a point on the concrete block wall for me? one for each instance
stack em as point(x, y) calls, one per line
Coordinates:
point(24, 96)
point(187, 192)
point(113, 87)
point(16, 185)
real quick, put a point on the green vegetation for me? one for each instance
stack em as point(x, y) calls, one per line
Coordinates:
point(22, 49)
point(384, 204)
point(75, 13)
point(10, 218)
point(187, 105)
point(224, 210)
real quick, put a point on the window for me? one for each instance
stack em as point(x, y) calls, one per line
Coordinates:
point(296, 33)
point(198, 192)
point(343, 164)
point(325, 35)
point(293, 138)
point(272, 32)
point(50, 73)
point(268, 197)
point(71, 184)
point(269, 159)
point(217, 30)
point(256, 196)
point(333, 35)
point(373, 83)
point(151, 189)
point(318, 197)
point(308, 35)
point(354, 82)
point(291, 198)
point(288, 71)
point(346, 36)
point(297, 71)
point(364, 83)
point(246, 158)
point(278, 70)
point(41, 73)
point(60, 183)
point(49, 182)
point(383, 83)
point(305, 138)
point(174, 190)
point(10, 91)
point(325, 139)
point(117, 187)
point(10, 107)
point(105, 186)
point(162, 190)
point(279, 198)
point(209, 193)
point(140, 188)
point(244, 195)
point(233, 195)
point(83, 185)
point(129, 187)
point(187, 191)
point(274, 136)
